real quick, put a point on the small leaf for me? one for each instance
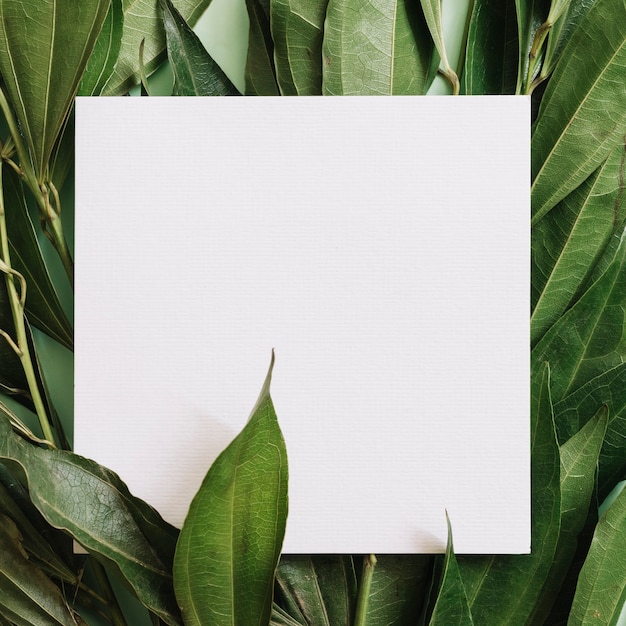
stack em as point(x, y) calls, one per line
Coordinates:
point(142, 20)
point(95, 507)
point(195, 71)
point(601, 591)
point(231, 540)
point(297, 28)
point(44, 48)
point(451, 607)
point(260, 72)
point(491, 58)
point(376, 48)
point(104, 56)
point(27, 595)
point(583, 112)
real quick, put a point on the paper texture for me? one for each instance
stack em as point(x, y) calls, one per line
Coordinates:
point(379, 245)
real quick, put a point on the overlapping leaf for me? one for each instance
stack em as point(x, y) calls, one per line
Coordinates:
point(231, 539)
point(583, 112)
point(376, 48)
point(531, 14)
point(433, 14)
point(260, 72)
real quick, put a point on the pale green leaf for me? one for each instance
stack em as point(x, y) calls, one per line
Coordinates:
point(568, 242)
point(583, 111)
point(601, 590)
point(104, 56)
point(142, 20)
point(260, 69)
point(376, 48)
point(531, 14)
point(44, 48)
point(195, 71)
point(231, 539)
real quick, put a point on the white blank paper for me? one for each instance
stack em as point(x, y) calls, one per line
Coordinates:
point(379, 245)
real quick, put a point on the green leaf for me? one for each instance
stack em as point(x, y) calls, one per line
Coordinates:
point(531, 14)
point(568, 242)
point(44, 48)
point(589, 339)
point(318, 590)
point(601, 591)
point(505, 589)
point(96, 508)
point(231, 540)
point(195, 71)
point(260, 72)
point(43, 306)
point(583, 112)
point(579, 458)
point(609, 388)
point(104, 56)
point(297, 27)
point(27, 595)
point(451, 607)
point(491, 58)
point(376, 48)
point(142, 20)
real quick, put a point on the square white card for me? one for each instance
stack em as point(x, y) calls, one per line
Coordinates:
point(379, 245)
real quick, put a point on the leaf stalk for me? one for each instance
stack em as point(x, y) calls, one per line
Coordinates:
point(363, 599)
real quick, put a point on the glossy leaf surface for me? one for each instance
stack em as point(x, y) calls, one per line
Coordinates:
point(376, 48)
point(260, 69)
point(583, 112)
point(601, 591)
point(96, 508)
point(44, 48)
point(195, 71)
point(143, 20)
point(104, 56)
point(231, 539)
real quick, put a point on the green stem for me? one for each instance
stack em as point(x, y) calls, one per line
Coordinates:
point(17, 310)
point(363, 598)
point(533, 57)
point(117, 617)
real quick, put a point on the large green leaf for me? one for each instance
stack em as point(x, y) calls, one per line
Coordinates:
point(95, 507)
point(579, 458)
point(27, 595)
point(318, 590)
point(231, 539)
point(260, 69)
point(104, 56)
point(505, 589)
point(568, 242)
point(589, 339)
point(195, 71)
point(297, 28)
point(609, 389)
point(583, 111)
point(43, 306)
point(142, 20)
point(601, 591)
point(491, 58)
point(44, 48)
point(376, 48)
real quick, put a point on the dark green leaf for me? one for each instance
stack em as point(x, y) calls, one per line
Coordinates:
point(195, 71)
point(260, 69)
point(583, 112)
point(96, 508)
point(451, 607)
point(104, 56)
point(231, 540)
point(568, 242)
point(44, 48)
point(27, 595)
point(43, 307)
point(297, 28)
point(318, 590)
point(376, 48)
point(589, 339)
point(281, 618)
point(491, 58)
point(601, 591)
point(505, 589)
point(142, 20)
